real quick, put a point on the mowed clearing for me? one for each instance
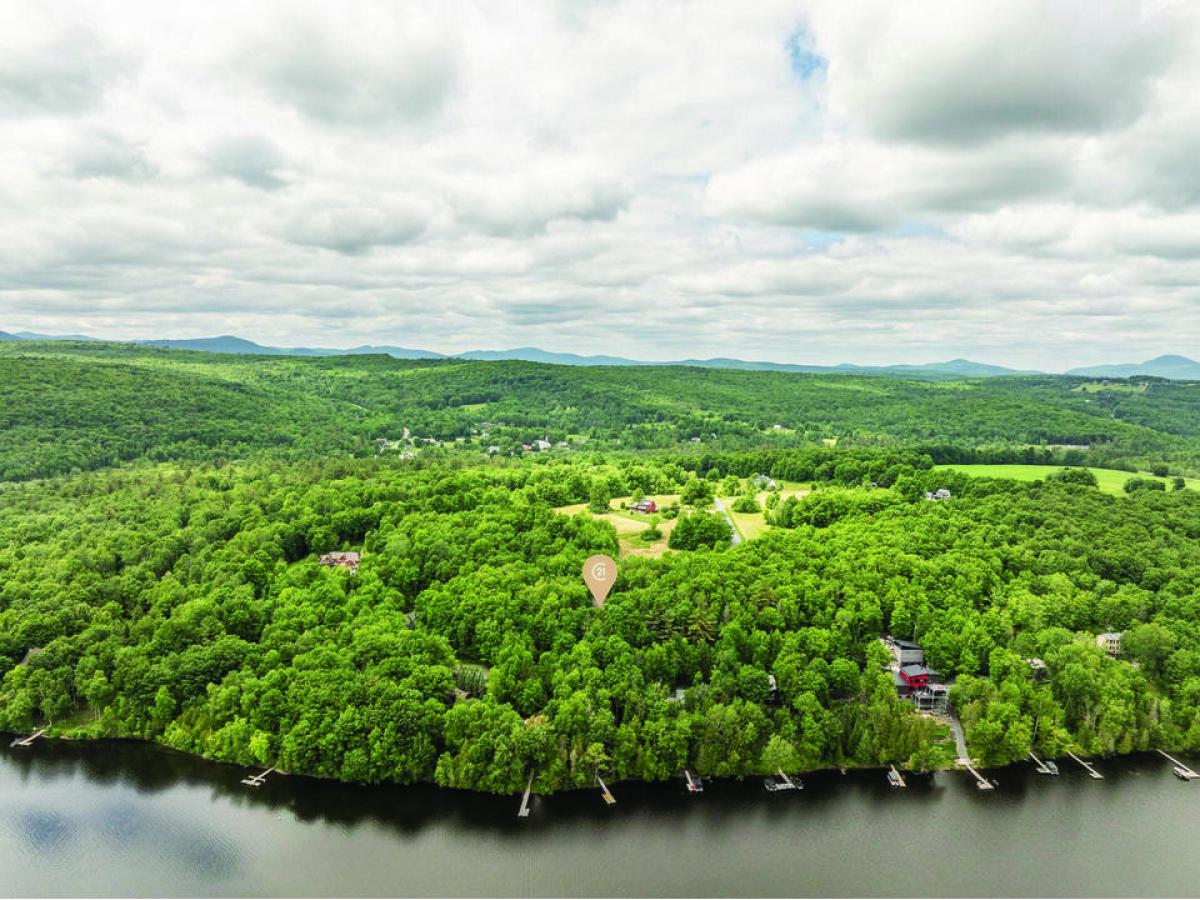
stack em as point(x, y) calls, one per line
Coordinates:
point(1110, 481)
point(751, 525)
point(629, 524)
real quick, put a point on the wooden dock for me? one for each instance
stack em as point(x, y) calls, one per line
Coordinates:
point(694, 785)
point(523, 812)
point(1090, 770)
point(257, 780)
point(1180, 769)
point(605, 792)
point(1043, 768)
point(26, 741)
point(980, 782)
point(894, 778)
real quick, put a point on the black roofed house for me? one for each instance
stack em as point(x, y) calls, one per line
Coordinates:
point(905, 652)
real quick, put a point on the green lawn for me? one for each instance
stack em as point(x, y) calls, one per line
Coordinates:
point(1111, 481)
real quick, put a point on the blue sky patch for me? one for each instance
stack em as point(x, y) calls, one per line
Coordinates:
point(805, 62)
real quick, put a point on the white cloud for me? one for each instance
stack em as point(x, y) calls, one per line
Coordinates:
point(953, 72)
point(876, 182)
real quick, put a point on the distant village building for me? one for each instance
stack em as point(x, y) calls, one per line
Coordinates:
point(939, 494)
point(1110, 642)
point(777, 427)
point(539, 444)
point(493, 450)
point(765, 482)
point(341, 559)
point(1037, 667)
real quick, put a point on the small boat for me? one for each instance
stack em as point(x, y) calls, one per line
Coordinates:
point(1182, 773)
point(1050, 768)
point(785, 783)
point(694, 784)
point(894, 778)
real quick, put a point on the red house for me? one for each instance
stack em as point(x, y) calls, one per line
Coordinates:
point(915, 677)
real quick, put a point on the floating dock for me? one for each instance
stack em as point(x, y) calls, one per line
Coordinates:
point(523, 812)
point(1181, 771)
point(1090, 770)
point(26, 741)
point(1044, 768)
point(605, 792)
point(694, 785)
point(257, 780)
point(894, 778)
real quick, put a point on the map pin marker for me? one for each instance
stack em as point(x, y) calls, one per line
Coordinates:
point(599, 572)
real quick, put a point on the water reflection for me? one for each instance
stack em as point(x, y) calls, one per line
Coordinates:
point(127, 818)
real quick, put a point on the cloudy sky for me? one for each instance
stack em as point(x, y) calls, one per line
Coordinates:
point(1015, 182)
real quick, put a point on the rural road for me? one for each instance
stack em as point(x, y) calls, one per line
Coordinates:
point(735, 537)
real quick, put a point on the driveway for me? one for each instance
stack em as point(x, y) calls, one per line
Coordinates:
point(735, 536)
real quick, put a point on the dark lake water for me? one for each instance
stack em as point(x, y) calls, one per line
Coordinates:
point(121, 819)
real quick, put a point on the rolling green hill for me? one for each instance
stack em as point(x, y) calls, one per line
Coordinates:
point(67, 406)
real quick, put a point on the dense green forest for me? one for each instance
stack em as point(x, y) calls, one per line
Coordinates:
point(162, 515)
point(77, 407)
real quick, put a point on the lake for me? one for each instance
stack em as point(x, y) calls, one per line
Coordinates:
point(118, 818)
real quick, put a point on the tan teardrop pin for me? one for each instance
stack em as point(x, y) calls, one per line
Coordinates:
point(599, 572)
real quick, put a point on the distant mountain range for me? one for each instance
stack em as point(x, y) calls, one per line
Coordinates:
point(229, 344)
point(1174, 367)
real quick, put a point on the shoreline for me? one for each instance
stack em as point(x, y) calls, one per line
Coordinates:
point(1188, 756)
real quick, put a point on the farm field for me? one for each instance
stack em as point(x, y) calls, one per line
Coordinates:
point(1110, 481)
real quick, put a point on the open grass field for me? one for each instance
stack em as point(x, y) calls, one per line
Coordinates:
point(628, 523)
point(1110, 481)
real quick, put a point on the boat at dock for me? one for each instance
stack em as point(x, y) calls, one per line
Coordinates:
point(783, 783)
